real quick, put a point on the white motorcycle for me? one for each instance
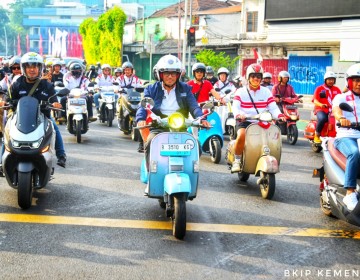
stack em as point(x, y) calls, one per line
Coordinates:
point(107, 104)
point(77, 113)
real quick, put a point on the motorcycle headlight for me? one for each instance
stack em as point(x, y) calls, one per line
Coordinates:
point(176, 120)
point(27, 145)
point(265, 117)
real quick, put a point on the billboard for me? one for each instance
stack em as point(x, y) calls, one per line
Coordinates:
point(281, 10)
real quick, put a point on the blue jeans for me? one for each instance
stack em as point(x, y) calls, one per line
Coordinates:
point(349, 148)
point(322, 118)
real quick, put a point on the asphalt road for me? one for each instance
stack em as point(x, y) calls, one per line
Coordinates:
point(93, 222)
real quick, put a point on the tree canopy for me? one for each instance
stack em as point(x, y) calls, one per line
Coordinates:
point(102, 39)
point(216, 60)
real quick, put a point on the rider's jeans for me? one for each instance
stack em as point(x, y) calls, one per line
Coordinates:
point(322, 118)
point(59, 144)
point(349, 148)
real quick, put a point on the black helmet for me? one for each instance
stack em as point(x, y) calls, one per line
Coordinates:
point(92, 67)
point(76, 69)
point(209, 70)
point(198, 66)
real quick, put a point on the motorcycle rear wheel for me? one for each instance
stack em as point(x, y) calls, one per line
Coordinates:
point(243, 176)
point(267, 187)
point(25, 189)
point(292, 134)
point(179, 216)
point(325, 208)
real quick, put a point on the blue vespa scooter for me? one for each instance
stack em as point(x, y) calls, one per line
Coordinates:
point(211, 140)
point(173, 172)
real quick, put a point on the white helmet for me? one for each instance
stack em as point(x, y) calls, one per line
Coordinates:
point(267, 75)
point(105, 66)
point(32, 58)
point(352, 72)
point(223, 70)
point(168, 63)
point(329, 74)
point(253, 69)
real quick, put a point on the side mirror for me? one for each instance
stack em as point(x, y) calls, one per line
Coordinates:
point(346, 107)
point(147, 100)
point(92, 84)
point(63, 92)
point(300, 96)
point(227, 91)
point(115, 83)
point(58, 84)
point(217, 89)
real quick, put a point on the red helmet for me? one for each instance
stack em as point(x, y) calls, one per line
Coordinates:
point(252, 69)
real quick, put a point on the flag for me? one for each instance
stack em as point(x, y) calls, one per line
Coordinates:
point(18, 45)
point(40, 45)
point(49, 43)
point(68, 47)
point(57, 46)
point(258, 56)
point(63, 44)
point(27, 43)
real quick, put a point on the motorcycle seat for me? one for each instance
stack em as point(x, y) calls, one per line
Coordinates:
point(339, 158)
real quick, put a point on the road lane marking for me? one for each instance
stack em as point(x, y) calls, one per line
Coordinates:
point(142, 224)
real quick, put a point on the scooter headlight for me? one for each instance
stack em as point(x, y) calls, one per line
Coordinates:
point(265, 117)
point(26, 145)
point(176, 120)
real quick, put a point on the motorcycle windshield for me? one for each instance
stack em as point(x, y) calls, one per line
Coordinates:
point(27, 114)
point(133, 97)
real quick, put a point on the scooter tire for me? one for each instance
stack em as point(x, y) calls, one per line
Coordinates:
point(292, 134)
point(135, 134)
point(25, 189)
point(316, 148)
point(78, 131)
point(215, 156)
point(243, 176)
point(267, 188)
point(179, 216)
point(109, 117)
point(325, 208)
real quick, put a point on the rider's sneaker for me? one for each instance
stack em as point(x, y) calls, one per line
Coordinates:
point(1, 171)
point(317, 139)
point(61, 161)
point(92, 119)
point(350, 200)
point(235, 167)
point(62, 119)
point(146, 191)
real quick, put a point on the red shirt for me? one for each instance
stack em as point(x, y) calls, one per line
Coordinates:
point(203, 95)
point(330, 94)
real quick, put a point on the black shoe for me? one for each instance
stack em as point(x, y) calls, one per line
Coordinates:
point(1, 171)
point(61, 161)
point(141, 147)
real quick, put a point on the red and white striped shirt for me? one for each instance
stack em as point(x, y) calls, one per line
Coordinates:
point(263, 99)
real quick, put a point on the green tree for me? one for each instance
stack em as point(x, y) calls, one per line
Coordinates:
point(216, 60)
point(102, 39)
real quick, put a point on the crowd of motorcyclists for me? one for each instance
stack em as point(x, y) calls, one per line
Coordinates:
point(174, 91)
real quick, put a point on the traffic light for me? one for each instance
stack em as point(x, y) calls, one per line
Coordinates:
point(191, 37)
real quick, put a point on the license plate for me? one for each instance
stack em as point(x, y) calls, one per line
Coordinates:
point(77, 102)
point(175, 149)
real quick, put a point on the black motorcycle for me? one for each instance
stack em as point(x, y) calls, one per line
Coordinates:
point(127, 106)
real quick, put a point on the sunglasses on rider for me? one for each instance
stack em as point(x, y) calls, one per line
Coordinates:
point(15, 68)
point(168, 74)
point(256, 75)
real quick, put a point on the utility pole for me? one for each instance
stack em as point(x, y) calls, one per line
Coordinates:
point(6, 44)
point(185, 29)
point(189, 55)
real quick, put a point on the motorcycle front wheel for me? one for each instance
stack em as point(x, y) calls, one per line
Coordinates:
point(243, 176)
point(78, 126)
point(325, 207)
point(179, 216)
point(292, 134)
point(215, 151)
point(267, 187)
point(316, 148)
point(109, 117)
point(25, 189)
